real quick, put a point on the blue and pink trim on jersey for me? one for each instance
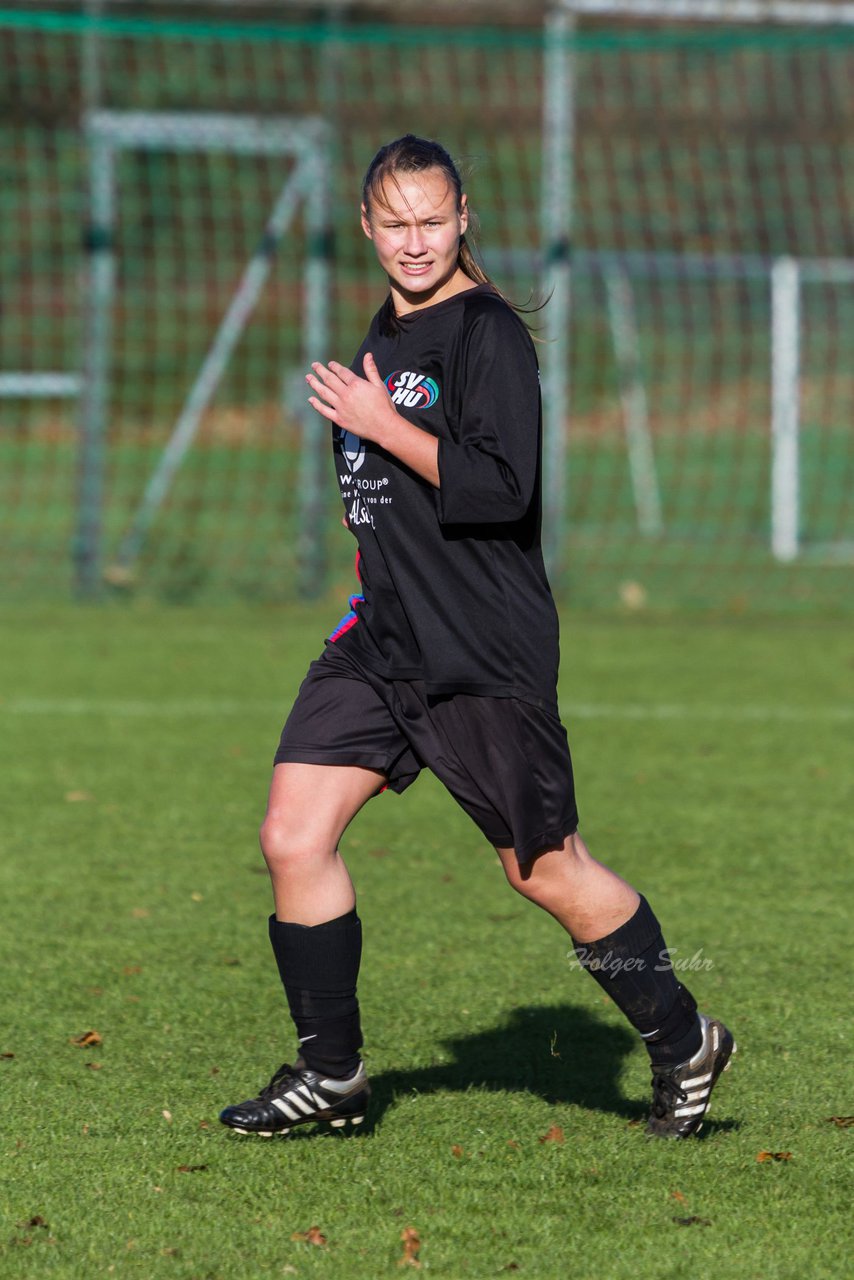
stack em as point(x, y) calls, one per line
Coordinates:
point(350, 619)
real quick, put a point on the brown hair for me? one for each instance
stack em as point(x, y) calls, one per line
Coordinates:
point(411, 154)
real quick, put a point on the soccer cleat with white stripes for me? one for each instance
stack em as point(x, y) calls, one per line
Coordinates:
point(299, 1095)
point(680, 1095)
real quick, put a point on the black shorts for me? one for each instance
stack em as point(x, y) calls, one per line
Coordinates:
point(505, 761)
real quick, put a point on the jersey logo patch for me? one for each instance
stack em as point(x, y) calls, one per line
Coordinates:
point(412, 390)
point(353, 449)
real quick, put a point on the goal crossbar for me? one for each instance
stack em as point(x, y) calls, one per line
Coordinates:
point(806, 12)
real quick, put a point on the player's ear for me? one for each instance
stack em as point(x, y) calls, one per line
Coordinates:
point(366, 223)
point(464, 214)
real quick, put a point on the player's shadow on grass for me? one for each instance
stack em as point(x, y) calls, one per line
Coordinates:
point(559, 1052)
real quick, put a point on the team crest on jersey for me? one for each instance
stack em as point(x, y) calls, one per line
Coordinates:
point(412, 390)
point(353, 449)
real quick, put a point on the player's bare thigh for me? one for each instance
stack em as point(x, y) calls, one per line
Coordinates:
point(310, 806)
point(308, 810)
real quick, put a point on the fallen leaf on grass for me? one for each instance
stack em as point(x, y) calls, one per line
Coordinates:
point(511, 1142)
point(764, 1156)
point(167, 1116)
point(555, 1134)
point(313, 1236)
point(87, 1039)
point(411, 1248)
point(456, 1150)
point(192, 1168)
point(7, 1055)
point(94, 1066)
point(693, 1221)
point(677, 1195)
point(130, 969)
point(841, 1122)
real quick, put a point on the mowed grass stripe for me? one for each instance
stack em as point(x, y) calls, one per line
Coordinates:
point(180, 708)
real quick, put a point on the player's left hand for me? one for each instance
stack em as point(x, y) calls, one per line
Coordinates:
point(359, 405)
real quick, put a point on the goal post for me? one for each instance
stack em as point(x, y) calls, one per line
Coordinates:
point(301, 140)
point(784, 274)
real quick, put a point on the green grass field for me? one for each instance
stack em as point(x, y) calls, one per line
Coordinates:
point(712, 762)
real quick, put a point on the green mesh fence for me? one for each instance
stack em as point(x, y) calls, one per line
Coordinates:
point(155, 317)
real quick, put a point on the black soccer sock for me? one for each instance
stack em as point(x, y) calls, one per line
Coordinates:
point(633, 966)
point(319, 967)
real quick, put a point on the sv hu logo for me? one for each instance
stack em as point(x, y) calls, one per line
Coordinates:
point(412, 390)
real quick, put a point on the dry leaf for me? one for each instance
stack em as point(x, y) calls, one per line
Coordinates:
point(511, 1142)
point(192, 1168)
point(94, 1066)
point(841, 1122)
point(677, 1195)
point(765, 1156)
point(7, 1055)
point(131, 969)
point(411, 1247)
point(313, 1236)
point(197, 897)
point(693, 1222)
point(167, 1116)
point(456, 1150)
point(555, 1134)
point(87, 1039)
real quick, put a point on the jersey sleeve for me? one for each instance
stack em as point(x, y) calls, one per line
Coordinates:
point(487, 473)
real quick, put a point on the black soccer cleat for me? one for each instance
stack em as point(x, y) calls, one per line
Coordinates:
point(299, 1095)
point(680, 1095)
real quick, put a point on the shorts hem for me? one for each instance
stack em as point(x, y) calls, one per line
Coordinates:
point(546, 840)
point(322, 755)
point(396, 782)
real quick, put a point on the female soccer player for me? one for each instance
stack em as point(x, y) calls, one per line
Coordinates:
point(448, 660)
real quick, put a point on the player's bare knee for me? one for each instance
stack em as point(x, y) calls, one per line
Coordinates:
point(519, 878)
point(286, 848)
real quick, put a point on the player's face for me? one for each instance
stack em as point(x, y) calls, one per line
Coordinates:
point(416, 230)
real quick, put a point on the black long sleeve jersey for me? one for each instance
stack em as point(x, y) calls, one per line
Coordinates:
point(454, 588)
